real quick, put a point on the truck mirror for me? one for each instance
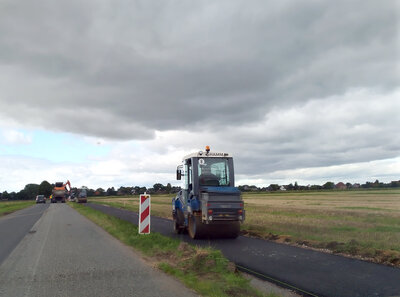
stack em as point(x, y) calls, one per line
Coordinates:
point(178, 174)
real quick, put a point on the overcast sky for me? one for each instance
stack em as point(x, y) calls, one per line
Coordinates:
point(115, 92)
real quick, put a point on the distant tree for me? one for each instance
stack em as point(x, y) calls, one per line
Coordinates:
point(367, 185)
point(121, 191)
point(45, 188)
point(296, 186)
point(377, 184)
point(111, 192)
point(175, 189)
point(125, 191)
point(158, 187)
point(12, 196)
point(254, 188)
point(22, 195)
point(395, 184)
point(242, 188)
point(315, 187)
point(90, 192)
point(129, 190)
point(168, 188)
point(99, 192)
point(274, 187)
point(31, 190)
point(289, 187)
point(329, 186)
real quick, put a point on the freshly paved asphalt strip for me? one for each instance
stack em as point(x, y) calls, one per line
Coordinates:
point(316, 273)
point(65, 254)
point(14, 227)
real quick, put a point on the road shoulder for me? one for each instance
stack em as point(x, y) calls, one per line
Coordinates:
point(65, 254)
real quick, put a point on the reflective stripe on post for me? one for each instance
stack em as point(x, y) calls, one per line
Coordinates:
point(144, 217)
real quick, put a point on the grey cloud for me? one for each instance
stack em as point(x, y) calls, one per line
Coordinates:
point(341, 130)
point(170, 65)
point(224, 71)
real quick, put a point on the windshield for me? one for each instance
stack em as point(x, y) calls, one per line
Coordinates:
point(214, 172)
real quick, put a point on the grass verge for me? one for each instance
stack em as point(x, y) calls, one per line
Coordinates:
point(205, 270)
point(360, 223)
point(11, 206)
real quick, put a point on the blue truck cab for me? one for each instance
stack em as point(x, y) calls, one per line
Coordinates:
point(209, 204)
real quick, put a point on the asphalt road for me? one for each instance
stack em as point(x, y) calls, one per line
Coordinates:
point(311, 272)
point(65, 254)
point(21, 222)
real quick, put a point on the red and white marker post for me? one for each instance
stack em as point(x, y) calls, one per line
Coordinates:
point(144, 214)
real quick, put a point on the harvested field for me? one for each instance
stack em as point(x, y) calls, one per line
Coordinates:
point(363, 223)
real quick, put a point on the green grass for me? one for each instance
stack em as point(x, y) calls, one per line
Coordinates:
point(127, 206)
point(205, 270)
point(11, 206)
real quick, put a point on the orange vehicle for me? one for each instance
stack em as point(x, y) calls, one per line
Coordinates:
point(60, 192)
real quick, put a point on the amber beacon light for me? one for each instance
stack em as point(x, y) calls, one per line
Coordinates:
point(207, 148)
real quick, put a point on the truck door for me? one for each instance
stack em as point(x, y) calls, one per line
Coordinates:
point(188, 180)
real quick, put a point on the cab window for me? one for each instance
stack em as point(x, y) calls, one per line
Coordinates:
point(213, 172)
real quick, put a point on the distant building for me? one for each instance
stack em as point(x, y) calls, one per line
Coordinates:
point(282, 188)
point(356, 186)
point(340, 186)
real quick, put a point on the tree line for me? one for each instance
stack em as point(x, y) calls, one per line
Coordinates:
point(30, 191)
point(326, 186)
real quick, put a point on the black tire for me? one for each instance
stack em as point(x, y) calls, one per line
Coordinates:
point(196, 227)
point(179, 222)
point(177, 227)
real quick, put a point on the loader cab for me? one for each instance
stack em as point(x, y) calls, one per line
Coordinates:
point(203, 170)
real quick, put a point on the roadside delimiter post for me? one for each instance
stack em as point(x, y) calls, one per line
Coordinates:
point(144, 214)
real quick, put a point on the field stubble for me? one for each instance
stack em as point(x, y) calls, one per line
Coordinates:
point(360, 223)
